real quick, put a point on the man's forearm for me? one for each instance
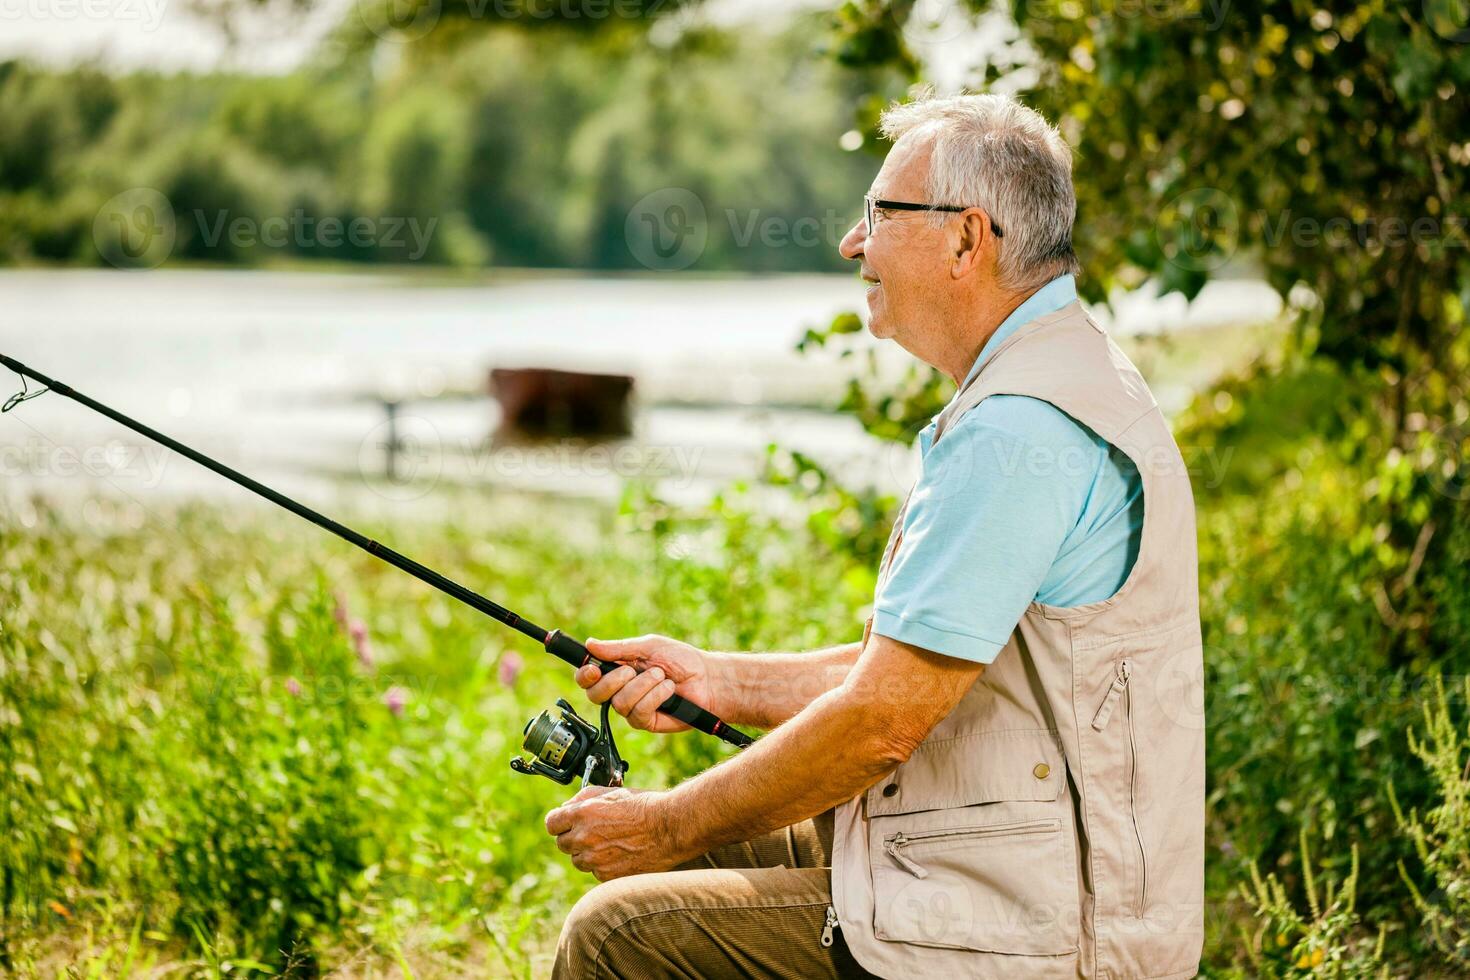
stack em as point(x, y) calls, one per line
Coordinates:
point(840, 744)
point(826, 755)
point(766, 689)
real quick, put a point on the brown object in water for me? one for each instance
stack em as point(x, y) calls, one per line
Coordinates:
point(540, 402)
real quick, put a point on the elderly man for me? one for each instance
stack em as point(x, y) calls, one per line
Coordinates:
point(1005, 777)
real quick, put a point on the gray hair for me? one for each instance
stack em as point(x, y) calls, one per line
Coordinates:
point(992, 152)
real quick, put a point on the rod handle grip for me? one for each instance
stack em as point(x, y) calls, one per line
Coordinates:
point(563, 647)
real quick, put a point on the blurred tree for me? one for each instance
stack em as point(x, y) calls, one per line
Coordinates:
point(294, 120)
point(1326, 143)
point(237, 19)
point(46, 119)
point(215, 188)
point(433, 28)
point(414, 161)
point(532, 140)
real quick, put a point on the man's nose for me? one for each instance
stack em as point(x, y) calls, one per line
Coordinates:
point(852, 243)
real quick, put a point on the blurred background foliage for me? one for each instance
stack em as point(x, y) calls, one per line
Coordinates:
point(528, 145)
point(1322, 146)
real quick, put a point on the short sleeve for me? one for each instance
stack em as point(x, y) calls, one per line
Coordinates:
point(993, 504)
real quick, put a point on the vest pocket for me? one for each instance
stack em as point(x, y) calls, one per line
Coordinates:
point(970, 847)
point(1000, 888)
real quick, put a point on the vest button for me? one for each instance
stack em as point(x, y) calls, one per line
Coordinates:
point(1041, 771)
point(891, 789)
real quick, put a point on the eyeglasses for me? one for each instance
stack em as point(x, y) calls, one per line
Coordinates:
point(874, 204)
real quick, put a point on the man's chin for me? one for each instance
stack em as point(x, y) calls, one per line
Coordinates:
point(877, 319)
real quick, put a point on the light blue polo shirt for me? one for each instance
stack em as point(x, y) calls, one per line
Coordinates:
point(1018, 503)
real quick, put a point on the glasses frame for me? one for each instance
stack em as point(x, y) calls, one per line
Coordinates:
point(874, 204)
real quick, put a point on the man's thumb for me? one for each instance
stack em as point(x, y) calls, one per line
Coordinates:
point(610, 649)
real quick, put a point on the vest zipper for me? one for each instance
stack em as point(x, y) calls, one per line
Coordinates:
point(1122, 672)
point(831, 925)
point(1116, 690)
point(1133, 810)
point(894, 845)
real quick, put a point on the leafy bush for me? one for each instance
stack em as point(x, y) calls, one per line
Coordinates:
point(1328, 944)
point(1441, 836)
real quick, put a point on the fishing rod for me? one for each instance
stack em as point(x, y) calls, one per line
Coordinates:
point(560, 746)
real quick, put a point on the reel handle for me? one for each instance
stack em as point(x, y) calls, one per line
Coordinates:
point(563, 647)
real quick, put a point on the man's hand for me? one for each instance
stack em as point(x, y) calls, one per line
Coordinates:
point(668, 667)
point(612, 833)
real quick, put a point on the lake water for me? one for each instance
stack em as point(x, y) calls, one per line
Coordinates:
point(283, 374)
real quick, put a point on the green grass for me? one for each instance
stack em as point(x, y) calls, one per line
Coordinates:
point(159, 776)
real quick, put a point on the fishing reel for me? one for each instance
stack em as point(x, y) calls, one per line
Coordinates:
point(566, 747)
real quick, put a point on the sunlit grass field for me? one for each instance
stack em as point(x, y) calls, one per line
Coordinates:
point(232, 743)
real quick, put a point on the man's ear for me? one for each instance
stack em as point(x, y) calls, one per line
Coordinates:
point(975, 245)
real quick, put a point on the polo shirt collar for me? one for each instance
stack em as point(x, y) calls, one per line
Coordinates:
point(1060, 292)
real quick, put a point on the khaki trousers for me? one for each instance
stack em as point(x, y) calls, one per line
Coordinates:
point(756, 909)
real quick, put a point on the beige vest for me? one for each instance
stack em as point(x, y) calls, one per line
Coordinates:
point(1053, 824)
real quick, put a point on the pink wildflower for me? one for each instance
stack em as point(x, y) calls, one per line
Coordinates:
point(358, 631)
point(510, 668)
point(395, 698)
point(339, 611)
point(293, 687)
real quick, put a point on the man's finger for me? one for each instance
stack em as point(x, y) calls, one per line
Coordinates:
point(635, 690)
point(644, 712)
point(560, 820)
point(610, 684)
point(588, 675)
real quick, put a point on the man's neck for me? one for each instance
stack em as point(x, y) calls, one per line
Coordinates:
point(977, 322)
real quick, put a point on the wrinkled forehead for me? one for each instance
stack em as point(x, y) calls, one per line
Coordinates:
point(905, 172)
